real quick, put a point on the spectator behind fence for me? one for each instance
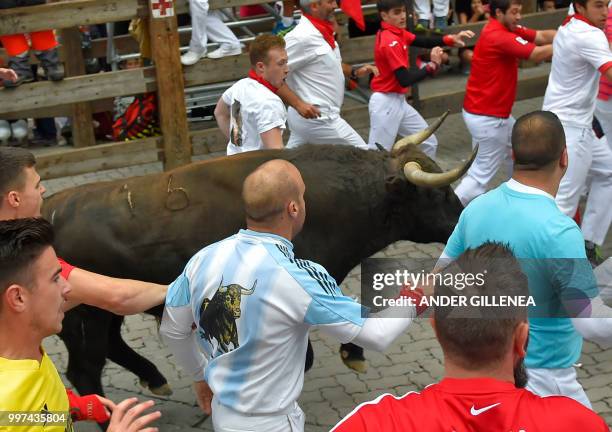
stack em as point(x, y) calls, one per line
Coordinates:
point(249, 113)
point(17, 47)
point(484, 373)
point(470, 11)
point(440, 12)
point(205, 24)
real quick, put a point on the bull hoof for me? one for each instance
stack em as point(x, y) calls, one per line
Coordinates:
point(162, 390)
point(356, 362)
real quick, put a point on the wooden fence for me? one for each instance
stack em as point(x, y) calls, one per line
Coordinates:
point(80, 95)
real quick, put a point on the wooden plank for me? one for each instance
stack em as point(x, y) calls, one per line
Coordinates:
point(82, 125)
point(77, 89)
point(71, 162)
point(97, 106)
point(208, 71)
point(170, 91)
point(67, 14)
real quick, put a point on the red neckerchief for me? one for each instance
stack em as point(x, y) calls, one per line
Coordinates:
point(578, 17)
point(403, 33)
point(261, 80)
point(326, 28)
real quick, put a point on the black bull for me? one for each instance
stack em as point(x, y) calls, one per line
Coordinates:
point(357, 203)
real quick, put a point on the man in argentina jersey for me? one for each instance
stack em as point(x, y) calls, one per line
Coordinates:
point(253, 303)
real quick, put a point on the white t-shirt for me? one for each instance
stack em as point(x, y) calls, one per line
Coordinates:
point(580, 53)
point(315, 69)
point(254, 110)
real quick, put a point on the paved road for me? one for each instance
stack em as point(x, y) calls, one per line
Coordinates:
point(330, 389)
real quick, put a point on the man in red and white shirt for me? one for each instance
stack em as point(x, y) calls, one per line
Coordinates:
point(491, 91)
point(484, 348)
point(389, 111)
point(603, 106)
point(582, 54)
point(317, 75)
point(249, 113)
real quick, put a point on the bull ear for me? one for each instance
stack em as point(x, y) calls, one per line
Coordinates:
point(394, 183)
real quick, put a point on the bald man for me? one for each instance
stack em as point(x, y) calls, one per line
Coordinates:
point(560, 277)
point(253, 303)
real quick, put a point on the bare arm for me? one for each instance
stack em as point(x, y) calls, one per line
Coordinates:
point(120, 296)
point(8, 74)
point(608, 74)
point(545, 37)
point(222, 115)
point(272, 139)
point(290, 98)
point(541, 53)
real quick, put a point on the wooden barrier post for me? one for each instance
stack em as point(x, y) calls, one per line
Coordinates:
point(82, 124)
point(165, 46)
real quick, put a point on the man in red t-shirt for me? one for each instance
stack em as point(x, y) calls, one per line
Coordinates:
point(21, 196)
point(484, 348)
point(390, 114)
point(491, 90)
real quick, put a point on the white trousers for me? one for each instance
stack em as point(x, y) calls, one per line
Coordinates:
point(588, 157)
point(391, 115)
point(329, 129)
point(225, 419)
point(603, 112)
point(547, 382)
point(205, 25)
point(492, 135)
point(423, 8)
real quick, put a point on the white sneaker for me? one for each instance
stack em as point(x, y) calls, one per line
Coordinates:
point(191, 58)
point(224, 51)
point(20, 129)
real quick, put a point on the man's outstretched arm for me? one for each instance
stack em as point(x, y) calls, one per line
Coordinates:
point(119, 296)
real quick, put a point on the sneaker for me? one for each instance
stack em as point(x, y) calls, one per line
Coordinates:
point(223, 51)
point(281, 29)
point(19, 129)
point(593, 253)
point(191, 58)
point(421, 27)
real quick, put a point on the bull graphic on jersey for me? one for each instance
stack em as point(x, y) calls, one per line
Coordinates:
point(236, 125)
point(218, 315)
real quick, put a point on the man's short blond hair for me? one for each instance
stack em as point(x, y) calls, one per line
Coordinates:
point(259, 48)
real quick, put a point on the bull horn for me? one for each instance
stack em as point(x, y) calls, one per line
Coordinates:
point(251, 291)
point(415, 174)
point(419, 137)
point(220, 289)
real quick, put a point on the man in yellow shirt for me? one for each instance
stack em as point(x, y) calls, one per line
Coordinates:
point(32, 302)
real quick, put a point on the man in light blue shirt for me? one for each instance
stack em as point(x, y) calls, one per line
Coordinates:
point(522, 213)
point(253, 303)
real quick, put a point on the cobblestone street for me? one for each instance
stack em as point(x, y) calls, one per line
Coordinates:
point(330, 389)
